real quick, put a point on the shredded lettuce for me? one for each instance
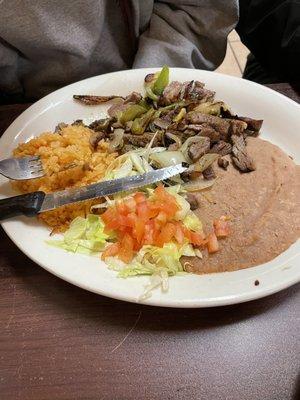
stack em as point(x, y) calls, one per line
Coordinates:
point(85, 236)
point(192, 222)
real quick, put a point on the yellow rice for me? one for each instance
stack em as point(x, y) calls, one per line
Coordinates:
point(69, 161)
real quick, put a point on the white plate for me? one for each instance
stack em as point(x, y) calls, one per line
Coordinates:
point(281, 126)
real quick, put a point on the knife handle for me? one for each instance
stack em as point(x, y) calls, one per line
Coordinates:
point(26, 204)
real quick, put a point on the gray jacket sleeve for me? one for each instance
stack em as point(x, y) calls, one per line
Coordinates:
point(187, 33)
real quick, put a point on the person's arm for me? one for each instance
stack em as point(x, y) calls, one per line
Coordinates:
point(187, 33)
point(271, 31)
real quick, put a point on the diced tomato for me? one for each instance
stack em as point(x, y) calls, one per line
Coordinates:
point(187, 233)
point(221, 227)
point(138, 221)
point(161, 217)
point(179, 234)
point(197, 238)
point(212, 243)
point(122, 208)
point(139, 197)
point(166, 235)
point(149, 233)
point(125, 252)
point(111, 250)
point(130, 204)
point(143, 210)
point(139, 229)
point(108, 215)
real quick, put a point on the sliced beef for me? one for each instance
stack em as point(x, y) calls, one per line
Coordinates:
point(198, 149)
point(252, 124)
point(220, 125)
point(240, 157)
point(223, 163)
point(161, 123)
point(142, 140)
point(95, 138)
point(192, 91)
point(101, 125)
point(117, 108)
point(94, 100)
point(221, 147)
point(195, 91)
point(209, 173)
point(205, 130)
point(133, 97)
point(236, 127)
point(171, 93)
point(60, 126)
point(193, 201)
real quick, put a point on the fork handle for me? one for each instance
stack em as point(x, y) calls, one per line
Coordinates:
point(26, 204)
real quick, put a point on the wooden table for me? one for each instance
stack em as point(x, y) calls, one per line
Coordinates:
point(59, 342)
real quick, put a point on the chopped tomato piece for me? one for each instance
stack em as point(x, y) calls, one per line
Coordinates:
point(139, 197)
point(139, 230)
point(149, 233)
point(166, 235)
point(221, 227)
point(212, 243)
point(125, 252)
point(179, 234)
point(111, 250)
point(130, 204)
point(197, 238)
point(143, 210)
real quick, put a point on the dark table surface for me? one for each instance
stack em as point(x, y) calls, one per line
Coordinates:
point(59, 342)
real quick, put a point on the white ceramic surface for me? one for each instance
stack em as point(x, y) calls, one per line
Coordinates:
point(281, 126)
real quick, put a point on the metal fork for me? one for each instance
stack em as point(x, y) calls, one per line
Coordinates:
point(22, 168)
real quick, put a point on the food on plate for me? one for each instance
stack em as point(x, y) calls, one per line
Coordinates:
point(183, 118)
point(236, 205)
point(264, 207)
point(68, 161)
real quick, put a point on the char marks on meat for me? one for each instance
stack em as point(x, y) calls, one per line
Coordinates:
point(197, 149)
point(59, 127)
point(95, 138)
point(240, 157)
point(142, 140)
point(236, 127)
point(133, 98)
point(193, 201)
point(192, 91)
point(209, 173)
point(221, 147)
point(94, 100)
point(204, 130)
point(220, 125)
point(223, 163)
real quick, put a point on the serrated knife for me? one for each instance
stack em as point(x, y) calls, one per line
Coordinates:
point(33, 203)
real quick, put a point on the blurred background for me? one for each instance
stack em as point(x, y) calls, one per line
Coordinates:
point(236, 56)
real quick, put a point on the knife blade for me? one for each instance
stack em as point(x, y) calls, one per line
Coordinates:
point(105, 188)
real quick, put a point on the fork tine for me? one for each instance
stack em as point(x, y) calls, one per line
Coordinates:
point(33, 158)
point(33, 164)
